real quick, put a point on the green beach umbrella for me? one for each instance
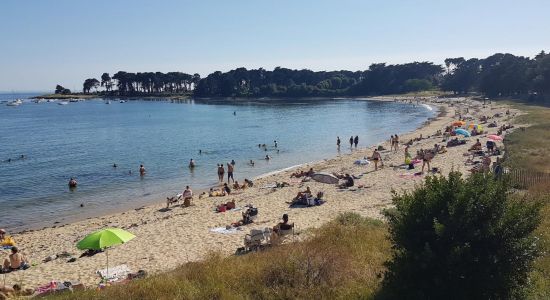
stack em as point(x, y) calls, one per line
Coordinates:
point(103, 239)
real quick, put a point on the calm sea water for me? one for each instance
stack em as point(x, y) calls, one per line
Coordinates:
point(84, 139)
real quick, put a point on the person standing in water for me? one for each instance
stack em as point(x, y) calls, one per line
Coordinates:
point(141, 170)
point(356, 141)
point(351, 142)
point(191, 163)
point(275, 142)
point(230, 168)
point(221, 172)
point(338, 142)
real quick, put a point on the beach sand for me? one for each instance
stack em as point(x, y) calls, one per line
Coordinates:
point(168, 238)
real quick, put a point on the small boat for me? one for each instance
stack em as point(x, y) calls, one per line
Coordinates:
point(108, 102)
point(15, 102)
point(122, 101)
point(63, 103)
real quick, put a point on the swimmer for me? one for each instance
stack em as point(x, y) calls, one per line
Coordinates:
point(233, 162)
point(267, 157)
point(141, 170)
point(200, 151)
point(251, 163)
point(191, 163)
point(338, 141)
point(114, 166)
point(275, 143)
point(72, 183)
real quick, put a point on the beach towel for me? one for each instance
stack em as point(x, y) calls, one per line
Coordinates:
point(269, 186)
point(303, 205)
point(224, 230)
point(114, 273)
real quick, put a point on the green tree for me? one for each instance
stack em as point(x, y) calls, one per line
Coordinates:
point(59, 89)
point(90, 83)
point(456, 238)
point(106, 81)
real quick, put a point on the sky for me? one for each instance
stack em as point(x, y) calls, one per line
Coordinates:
point(49, 42)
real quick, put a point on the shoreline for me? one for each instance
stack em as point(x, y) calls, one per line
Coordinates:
point(168, 238)
point(83, 214)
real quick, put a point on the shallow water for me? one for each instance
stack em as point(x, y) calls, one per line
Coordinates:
point(84, 139)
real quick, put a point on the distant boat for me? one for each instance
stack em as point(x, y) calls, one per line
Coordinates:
point(108, 102)
point(15, 102)
point(63, 103)
point(122, 101)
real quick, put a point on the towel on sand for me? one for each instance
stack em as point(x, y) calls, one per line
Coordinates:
point(224, 230)
point(115, 273)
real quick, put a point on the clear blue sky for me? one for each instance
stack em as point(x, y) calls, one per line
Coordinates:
point(43, 43)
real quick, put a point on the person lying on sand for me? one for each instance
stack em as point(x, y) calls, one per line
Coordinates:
point(236, 185)
point(348, 182)
point(216, 193)
point(15, 261)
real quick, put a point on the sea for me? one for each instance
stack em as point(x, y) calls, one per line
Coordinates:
point(43, 145)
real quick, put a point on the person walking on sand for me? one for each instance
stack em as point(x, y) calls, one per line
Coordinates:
point(221, 172)
point(230, 168)
point(356, 141)
point(351, 142)
point(338, 142)
point(426, 158)
point(396, 142)
point(376, 158)
point(392, 143)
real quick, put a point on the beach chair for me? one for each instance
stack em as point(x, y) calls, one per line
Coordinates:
point(115, 273)
point(257, 239)
point(173, 200)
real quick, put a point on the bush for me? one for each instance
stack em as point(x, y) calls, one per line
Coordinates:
point(461, 239)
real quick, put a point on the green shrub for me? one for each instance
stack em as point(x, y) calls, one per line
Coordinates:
point(460, 239)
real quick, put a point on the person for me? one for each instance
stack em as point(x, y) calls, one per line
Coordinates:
point(141, 170)
point(236, 185)
point(226, 189)
point(408, 158)
point(114, 165)
point(235, 113)
point(476, 146)
point(491, 146)
point(392, 143)
point(5, 240)
point(15, 261)
point(396, 142)
point(200, 151)
point(351, 142)
point(267, 157)
point(376, 157)
point(275, 142)
point(249, 182)
point(233, 162)
point(230, 168)
point(338, 142)
point(191, 163)
point(251, 163)
point(348, 181)
point(221, 172)
point(426, 159)
point(497, 168)
point(486, 162)
point(72, 183)
point(306, 193)
point(187, 196)
point(284, 225)
point(356, 140)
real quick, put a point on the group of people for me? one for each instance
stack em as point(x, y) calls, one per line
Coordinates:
point(352, 141)
point(230, 170)
point(394, 142)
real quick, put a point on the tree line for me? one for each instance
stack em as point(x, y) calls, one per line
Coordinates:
point(496, 75)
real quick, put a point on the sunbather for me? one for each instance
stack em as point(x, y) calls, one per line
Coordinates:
point(5, 240)
point(348, 182)
point(306, 193)
point(15, 261)
point(476, 147)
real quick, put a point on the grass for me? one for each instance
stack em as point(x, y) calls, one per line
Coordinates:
point(343, 259)
point(528, 149)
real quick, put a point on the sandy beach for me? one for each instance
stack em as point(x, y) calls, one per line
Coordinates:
point(166, 238)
